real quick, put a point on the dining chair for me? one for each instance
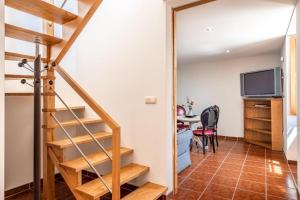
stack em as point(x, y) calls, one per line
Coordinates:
point(181, 112)
point(217, 113)
point(208, 120)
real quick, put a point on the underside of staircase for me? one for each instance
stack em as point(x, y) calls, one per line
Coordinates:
point(54, 149)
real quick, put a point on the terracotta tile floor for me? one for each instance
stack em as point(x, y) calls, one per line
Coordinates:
point(63, 192)
point(237, 171)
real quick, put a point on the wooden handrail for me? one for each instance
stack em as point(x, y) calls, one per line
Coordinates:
point(71, 30)
point(116, 140)
point(88, 99)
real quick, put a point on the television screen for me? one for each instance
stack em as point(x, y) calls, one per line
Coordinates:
point(259, 83)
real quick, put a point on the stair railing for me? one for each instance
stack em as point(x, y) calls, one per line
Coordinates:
point(112, 124)
point(81, 152)
point(63, 4)
point(81, 123)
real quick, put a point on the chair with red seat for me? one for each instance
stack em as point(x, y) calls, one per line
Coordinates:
point(217, 113)
point(208, 120)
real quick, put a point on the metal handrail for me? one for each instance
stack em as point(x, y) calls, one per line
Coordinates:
point(82, 124)
point(82, 154)
point(63, 4)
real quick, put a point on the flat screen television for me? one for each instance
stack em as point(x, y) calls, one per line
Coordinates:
point(266, 83)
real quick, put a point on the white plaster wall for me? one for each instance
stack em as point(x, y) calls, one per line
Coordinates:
point(298, 88)
point(2, 149)
point(290, 121)
point(122, 59)
point(218, 83)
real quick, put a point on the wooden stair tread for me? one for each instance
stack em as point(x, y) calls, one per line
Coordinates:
point(149, 191)
point(18, 57)
point(95, 189)
point(79, 140)
point(42, 9)
point(74, 108)
point(86, 121)
point(95, 158)
point(19, 76)
point(22, 94)
point(29, 35)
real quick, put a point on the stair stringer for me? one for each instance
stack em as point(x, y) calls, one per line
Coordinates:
point(65, 175)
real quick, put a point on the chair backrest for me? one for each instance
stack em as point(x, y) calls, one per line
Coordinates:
point(181, 111)
point(217, 111)
point(208, 118)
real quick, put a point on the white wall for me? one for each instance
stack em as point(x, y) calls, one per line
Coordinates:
point(298, 89)
point(122, 59)
point(218, 83)
point(290, 121)
point(2, 100)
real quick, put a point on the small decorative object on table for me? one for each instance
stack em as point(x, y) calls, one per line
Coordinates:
point(189, 104)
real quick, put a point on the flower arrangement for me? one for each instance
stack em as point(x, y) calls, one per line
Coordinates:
point(189, 104)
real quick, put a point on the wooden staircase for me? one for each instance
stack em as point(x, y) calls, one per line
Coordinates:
point(54, 149)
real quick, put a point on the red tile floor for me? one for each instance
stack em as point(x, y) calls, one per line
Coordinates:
point(237, 170)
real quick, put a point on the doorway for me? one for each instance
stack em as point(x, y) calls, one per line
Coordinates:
point(226, 52)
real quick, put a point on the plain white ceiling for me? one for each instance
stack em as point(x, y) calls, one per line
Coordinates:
point(245, 27)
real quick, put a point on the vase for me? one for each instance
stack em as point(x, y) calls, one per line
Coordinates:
point(190, 112)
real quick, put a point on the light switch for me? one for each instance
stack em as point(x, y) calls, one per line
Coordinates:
point(151, 100)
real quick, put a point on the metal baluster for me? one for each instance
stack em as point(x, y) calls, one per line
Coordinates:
point(83, 125)
point(82, 154)
point(63, 4)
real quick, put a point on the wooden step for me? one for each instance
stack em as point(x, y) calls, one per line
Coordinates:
point(42, 9)
point(29, 35)
point(95, 158)
point(19, 77)
point(95, 189)
point(61, 144)
point(149, 191)
point(24, 94)
point(86, 121)
point(74, 108)
point(18, 57)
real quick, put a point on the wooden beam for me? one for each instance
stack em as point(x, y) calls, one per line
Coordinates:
point(24, 94)
point(48, 134)
point(19, 76)
point(42, 9)
point(74, 108)
point(71, 30)
point(191, 5)
point(65, 175)
point(174, 98)
point(18, 57)
point(29, 35)
point(88, 99)
point(116, 164)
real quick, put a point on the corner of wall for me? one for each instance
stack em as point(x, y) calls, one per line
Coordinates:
point(1, 99)
point(298, 83)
